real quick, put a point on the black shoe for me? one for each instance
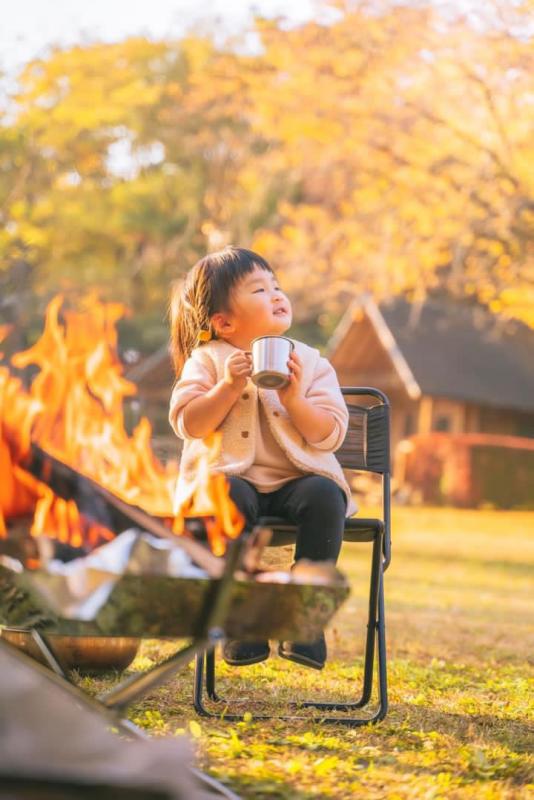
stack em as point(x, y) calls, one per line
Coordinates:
point(241, 654)
point(307, 655)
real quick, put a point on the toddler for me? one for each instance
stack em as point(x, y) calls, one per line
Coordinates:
point(277, 445)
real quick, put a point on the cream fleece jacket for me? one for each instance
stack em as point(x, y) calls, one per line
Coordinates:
point(205, 368)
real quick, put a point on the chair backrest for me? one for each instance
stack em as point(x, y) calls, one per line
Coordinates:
point(366, 445)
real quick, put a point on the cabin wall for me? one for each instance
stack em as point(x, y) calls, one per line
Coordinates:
point(515, 423)
point(362, 357)
point(453, 416)
point(442, 414)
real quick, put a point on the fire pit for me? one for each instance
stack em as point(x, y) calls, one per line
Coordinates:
point(73, 472)
point(152, 604)
point(145, 600)
point(93, 596)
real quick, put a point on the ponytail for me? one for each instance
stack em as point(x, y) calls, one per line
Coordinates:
point(190, 317)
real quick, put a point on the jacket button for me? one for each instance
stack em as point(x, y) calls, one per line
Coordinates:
point(244, 434)
point(245, 396)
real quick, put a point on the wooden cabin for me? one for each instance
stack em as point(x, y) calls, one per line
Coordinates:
point(448, 369)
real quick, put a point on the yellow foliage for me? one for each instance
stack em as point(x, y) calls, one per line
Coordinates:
point(381, 152)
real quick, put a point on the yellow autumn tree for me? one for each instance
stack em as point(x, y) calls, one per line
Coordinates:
point(127, 164)
point(388, 149)
point(407, 143)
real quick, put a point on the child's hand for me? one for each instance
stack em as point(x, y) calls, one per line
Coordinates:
point(237, 368)
point(293, 391)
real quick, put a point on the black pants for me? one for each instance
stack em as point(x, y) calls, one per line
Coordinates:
point(316, 505)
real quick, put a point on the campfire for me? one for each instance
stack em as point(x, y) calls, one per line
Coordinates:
point(89, 545)
point(109, 559)
point(68, 428)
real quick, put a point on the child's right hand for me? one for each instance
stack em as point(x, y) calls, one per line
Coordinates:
point(237, 368)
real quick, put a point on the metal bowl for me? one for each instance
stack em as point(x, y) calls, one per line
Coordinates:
point(85, 653)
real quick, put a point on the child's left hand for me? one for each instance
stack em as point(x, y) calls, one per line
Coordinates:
point(293, 390)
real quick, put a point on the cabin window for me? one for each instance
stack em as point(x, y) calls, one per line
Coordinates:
point(442, 423)
point(525, 427)
point(409, 425)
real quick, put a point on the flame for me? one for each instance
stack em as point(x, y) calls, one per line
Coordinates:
point(74, 410)
point(210, 499)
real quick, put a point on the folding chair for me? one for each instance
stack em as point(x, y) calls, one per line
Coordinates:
point(366, 448)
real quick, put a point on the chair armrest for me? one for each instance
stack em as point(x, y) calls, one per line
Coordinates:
point(355, 391)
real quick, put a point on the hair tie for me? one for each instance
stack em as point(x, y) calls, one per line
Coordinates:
point(204, 335)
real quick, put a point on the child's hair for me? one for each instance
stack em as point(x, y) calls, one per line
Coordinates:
point(205, 291)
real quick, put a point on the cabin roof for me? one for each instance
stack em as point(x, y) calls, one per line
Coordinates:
point(445, 348)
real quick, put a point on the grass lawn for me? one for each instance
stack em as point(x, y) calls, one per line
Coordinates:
point(460, 629)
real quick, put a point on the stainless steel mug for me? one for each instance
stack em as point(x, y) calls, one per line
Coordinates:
point(270, 355)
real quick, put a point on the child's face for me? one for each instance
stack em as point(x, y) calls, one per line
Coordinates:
point(258, 307)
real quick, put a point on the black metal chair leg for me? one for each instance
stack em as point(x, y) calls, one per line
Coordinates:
point(375, 644)
point(202, 663)
point(198, 687)
point(382, 707)
point(210, 676)
point(369, 653)
point(382, 656)
point(349, 722)
point(205, 669)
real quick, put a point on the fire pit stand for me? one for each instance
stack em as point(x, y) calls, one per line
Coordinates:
point(148, 605)
point(209, 630)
